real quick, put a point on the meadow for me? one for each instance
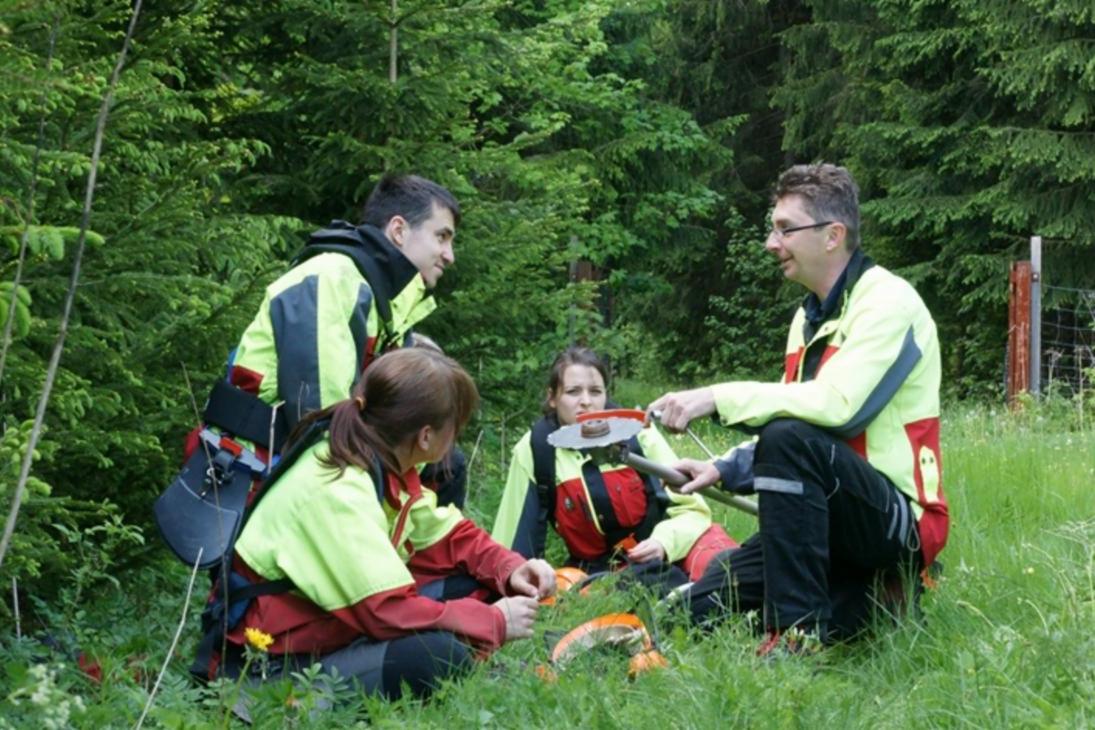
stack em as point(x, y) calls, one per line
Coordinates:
point(1004, 640)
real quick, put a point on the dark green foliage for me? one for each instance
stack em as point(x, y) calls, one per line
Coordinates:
point(970, 126)
point(641, 138)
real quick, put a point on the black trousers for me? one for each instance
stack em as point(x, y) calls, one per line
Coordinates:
point(420, 661)
point(834, 536)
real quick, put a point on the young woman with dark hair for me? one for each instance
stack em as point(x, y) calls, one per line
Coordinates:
point(355, 550)
point(606, 514)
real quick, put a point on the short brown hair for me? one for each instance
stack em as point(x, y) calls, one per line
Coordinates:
point(828, 193)
point(401, 392)
point(409, 196)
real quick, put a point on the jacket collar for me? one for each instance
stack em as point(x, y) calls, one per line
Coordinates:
point(397, 280)
point(817, 311)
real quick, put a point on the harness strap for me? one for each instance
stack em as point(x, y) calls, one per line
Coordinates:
point(543, 466)
point(341, 237)
point(244, 415)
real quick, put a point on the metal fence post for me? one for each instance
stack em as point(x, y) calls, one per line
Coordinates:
point(1035, 315)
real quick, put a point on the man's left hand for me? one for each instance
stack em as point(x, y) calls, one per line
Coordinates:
point(534, 578)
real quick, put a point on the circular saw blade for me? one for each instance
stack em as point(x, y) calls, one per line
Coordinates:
point(618, 431)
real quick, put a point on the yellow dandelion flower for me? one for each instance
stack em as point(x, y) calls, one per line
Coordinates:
point(258, 638)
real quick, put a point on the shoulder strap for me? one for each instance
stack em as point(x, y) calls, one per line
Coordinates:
point(314, 432)
point(543, 465)
point(379, 476)
point(345, 239)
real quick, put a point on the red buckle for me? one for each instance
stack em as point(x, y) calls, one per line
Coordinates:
point(230, 446)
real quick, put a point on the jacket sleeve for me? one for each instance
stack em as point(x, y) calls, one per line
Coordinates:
point(320, 327)
point(521, 522)
point(401, 611)
point(736, 468)
point(687, 516)
point(470, 549)
point(879, 352)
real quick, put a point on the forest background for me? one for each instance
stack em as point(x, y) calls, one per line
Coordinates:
point(613, 160)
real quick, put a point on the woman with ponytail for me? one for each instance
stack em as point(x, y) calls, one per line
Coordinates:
point(348, 523)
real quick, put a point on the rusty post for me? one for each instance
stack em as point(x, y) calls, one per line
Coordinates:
point(1019, 331)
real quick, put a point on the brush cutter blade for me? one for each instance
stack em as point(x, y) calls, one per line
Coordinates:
point(592, 433)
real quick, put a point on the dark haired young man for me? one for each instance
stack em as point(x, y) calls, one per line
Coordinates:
point(352, 293)
point(847, 465)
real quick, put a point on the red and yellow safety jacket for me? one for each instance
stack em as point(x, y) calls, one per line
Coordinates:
point(876, 385)
point(522, 520)
point(319, 325)
point(351, 556)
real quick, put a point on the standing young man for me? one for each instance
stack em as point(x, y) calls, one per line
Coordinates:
point(847, 466)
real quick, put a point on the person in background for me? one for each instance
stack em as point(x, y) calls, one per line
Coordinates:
point(606, 514)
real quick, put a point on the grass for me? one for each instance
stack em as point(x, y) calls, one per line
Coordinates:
point(1005, 640)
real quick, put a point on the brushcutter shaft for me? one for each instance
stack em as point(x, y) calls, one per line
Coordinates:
point(675, 478)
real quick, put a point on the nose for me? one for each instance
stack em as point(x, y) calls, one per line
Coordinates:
point(771, 243)
point(448, 255)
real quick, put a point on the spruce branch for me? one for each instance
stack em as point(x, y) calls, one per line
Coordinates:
point(5, 339)
point(70, 297)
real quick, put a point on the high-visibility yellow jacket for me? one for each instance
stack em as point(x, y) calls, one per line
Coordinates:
point(521, 520)
point(354, 554)
point(318, 327)
point(877, 387)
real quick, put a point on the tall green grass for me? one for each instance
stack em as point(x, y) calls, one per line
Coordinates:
point(1004, 641)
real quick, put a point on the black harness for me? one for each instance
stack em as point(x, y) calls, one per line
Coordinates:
point(386, 269)
point(227, 607)
point(543, 466)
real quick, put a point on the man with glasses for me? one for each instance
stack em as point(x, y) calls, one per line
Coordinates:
point(847, 466)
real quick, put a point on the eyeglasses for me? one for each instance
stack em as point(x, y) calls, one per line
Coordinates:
point(782, 233)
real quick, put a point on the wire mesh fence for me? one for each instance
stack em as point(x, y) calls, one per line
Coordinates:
point(1068, 340)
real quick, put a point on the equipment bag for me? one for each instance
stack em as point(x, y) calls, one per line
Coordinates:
point(200, 513)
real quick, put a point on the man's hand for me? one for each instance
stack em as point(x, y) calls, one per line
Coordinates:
point(534, 578)
point(680, 409)
point(701, 473)
point(646, 551)
point(519, 612)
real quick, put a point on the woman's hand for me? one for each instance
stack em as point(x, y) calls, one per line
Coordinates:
point(701, 474)
point(535, 578)
point(519, 611)
point(647, 550)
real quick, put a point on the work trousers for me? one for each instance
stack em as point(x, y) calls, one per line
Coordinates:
point(419, 661)
point(835, 537)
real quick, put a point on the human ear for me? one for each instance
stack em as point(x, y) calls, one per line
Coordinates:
point(396, 229)
point(837, 234)
point(424, 438)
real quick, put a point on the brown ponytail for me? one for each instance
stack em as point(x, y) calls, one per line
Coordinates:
point(402, 391)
